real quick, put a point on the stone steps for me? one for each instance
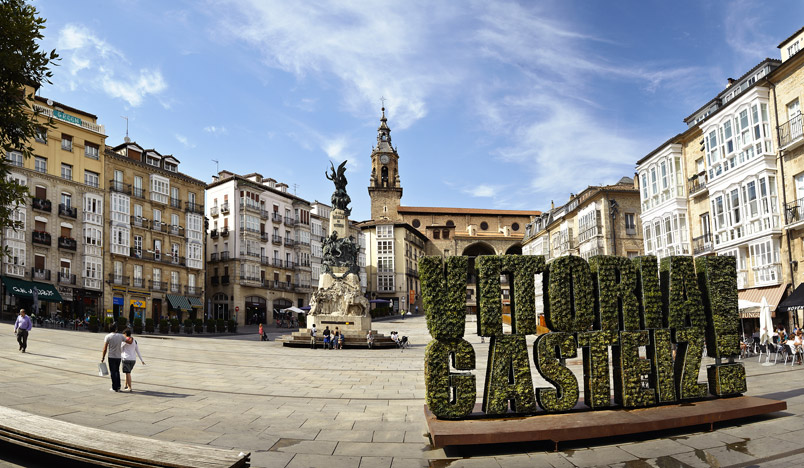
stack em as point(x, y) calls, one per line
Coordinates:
point(301, 339)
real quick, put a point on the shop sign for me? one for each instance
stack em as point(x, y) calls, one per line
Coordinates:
point(118, 300)
point(138, 303)
point(67, 117)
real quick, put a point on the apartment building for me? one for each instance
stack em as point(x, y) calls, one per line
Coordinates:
point(259, 247)
point(59, 250)
point(155, 259)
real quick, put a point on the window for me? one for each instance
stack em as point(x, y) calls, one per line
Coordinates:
point(40, 164)
point(66, 200)
point(171, 167)
point(385, 247)
point(14, 158)
point(138, 246)
point(160, 187)
point(484, 226)
point(66, 142)
point(152, 161)
point(66, 171)
point(514, 227)
point(385, 231)
point(630, 223)
point(174, 281)
point(416, 223)
point(436, 234)
point(91, 178)
point(41, 135)
point(138, 192)
point(792, 49)
point(91, 150)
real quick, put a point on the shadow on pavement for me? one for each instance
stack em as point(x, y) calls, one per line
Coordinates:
point(45, 355)
point(154, 393)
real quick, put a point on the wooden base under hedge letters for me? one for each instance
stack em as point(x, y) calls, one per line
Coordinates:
point(581, 425)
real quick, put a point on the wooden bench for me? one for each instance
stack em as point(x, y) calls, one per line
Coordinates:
point(107, 448)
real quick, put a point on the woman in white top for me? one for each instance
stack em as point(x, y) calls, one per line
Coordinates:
point(129, 352)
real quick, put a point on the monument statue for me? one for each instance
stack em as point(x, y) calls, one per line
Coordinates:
point(339, 298)
point(340, 199)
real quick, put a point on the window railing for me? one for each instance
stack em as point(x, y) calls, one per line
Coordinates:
point(225, 279)
point(790, 131)
point(696, 185)
point(68, 211)
point(225, 207)
point(213, 234)
point(67, 243)
point(290, 221)
point(138, 192)
point(41, 237)
point(214, 280)
point(66, 278)
point(120, 187)
point(265, 260)
point(40, 274)
point(276, 240)
point(41, 204)
point(224, 256)
point(192, 207)
point(175, 203)
point(213, 211)
point(702, 244)
point(193, 290)
point(289, 242)
point(276, 217)
point(138, 282)
point(794, 211)
point(225, 232)
point(213, 257)
point(277, 262)
point(118, 279)
point(158, 285)
point(140, 222)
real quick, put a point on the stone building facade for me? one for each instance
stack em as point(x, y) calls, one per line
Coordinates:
point(59, 249)
point(259, 248)
point(155, 233)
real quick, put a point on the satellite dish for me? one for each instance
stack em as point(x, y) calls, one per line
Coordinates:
point(50, 102)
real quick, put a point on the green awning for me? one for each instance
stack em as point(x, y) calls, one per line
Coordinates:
point(179, 302)
point(22, 288)
point(195, 302)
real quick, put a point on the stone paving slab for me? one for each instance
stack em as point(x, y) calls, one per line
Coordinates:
point(237, 392)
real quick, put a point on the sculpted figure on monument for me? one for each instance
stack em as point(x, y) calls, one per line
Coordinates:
point(340, 252)
point(340, 199)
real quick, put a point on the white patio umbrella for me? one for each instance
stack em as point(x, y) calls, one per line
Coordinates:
point(765, 322)
point(296, 310)
point(744, 304)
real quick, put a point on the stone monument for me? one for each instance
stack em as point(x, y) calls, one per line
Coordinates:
point(339, 300)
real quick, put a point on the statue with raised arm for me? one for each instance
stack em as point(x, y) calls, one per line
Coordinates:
point(340, 199)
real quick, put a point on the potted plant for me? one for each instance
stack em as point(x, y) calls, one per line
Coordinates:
point(107, 324)
point(199, 326)
point(188, 326)
point(220, 326)
point(231, 326)
point(93, 323)
point(138, 326)
point(163, 326)
point(210, 326)
point(121, 323)
point(175, 327)
point(149, 325)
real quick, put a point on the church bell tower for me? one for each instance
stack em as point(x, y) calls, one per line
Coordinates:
point(384, 188)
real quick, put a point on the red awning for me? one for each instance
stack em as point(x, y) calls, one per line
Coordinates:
point(772, 293)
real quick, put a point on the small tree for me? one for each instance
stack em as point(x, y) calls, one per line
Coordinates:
point(22, 64)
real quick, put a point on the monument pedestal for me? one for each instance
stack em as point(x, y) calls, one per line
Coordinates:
point(349, 325)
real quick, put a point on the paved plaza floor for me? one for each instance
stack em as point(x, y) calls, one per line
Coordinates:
point(297, 407)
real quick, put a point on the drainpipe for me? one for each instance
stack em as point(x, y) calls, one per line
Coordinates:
point(613, 213)
point(784, 191)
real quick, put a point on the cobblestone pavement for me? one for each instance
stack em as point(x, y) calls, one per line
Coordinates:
point(297, 407)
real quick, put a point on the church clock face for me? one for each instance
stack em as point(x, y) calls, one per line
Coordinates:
point(384, 159)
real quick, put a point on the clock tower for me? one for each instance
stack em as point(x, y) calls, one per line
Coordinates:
point(384, 188)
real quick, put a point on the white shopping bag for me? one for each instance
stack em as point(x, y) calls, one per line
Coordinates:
point(102, 370)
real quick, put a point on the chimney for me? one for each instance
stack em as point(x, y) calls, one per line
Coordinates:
point(729, 82)
point(552, 205)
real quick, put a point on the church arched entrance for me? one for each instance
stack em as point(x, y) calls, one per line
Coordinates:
point(515, 249)
point(473, 251)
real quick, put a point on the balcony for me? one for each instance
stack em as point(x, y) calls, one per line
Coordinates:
point(276, 217)
point(289, 264)
point(67, 243)
point(290, 221)
point(15, 270)
point(40, 274)
point(175, 230)
point(175, 203)
point(158, 285)
point(276, 240)
point(767, 275)
point(119, 187)
point(265, 214)
point(249, 204)
point(794, 211)
point(225, 256)
point(213, 211)
point(94, 250)
point(119, 280)
point(412, 272)
point(213, 257)
point(250, 280)
point(135, 252)
point(214, 280)
point(193, 290)
point(41, 237)
point(66, 278)
point(264, 236)
point(93, 283)
point(702, 244)
point(138, 282)
point(213, 234)
point(225, 232)
point(175, 288)
point(159, 226)
point(303, 243)
point(277, 262)
point(248, 230)
point(68, 211)
point(696, 185)
point(160, 198)
point(192, 207)
point(138, 192)
point(225, 208)
point(140, 222)
point(41, 204)
point(248, 253)
point(289, 242)
point(265, 260)
point(225, 279)
point(790, 133)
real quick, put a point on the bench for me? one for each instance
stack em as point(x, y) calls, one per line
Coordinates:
point(106, 448)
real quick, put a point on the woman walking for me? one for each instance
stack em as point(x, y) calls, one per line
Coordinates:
point(129, 352)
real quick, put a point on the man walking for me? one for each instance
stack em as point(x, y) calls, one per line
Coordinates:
point(112, 343)
point(312, 337)
point(21, 328)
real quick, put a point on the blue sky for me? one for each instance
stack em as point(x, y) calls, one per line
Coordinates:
point(499, 104)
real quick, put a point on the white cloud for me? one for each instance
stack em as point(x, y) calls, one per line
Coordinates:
point(184, 141)
point(484, 190)
point(215, 130)
point(93, 62)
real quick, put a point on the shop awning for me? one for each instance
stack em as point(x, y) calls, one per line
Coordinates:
point(772, 293)
point(794, 301)
point(195, 302)
point(22, 288)
point(178, 302)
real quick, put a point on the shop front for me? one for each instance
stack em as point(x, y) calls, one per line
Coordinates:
point(198, 308)
point(136, 309)
point(178, 307)
point(86, 302)
point(32, 296)
point(256, 308)
point(220, 306)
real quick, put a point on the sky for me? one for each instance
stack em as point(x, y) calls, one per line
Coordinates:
point(491, 104)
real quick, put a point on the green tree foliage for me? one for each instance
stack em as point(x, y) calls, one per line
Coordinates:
point(22, 64)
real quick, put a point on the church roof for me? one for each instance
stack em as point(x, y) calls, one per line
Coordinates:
point(477, 211)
